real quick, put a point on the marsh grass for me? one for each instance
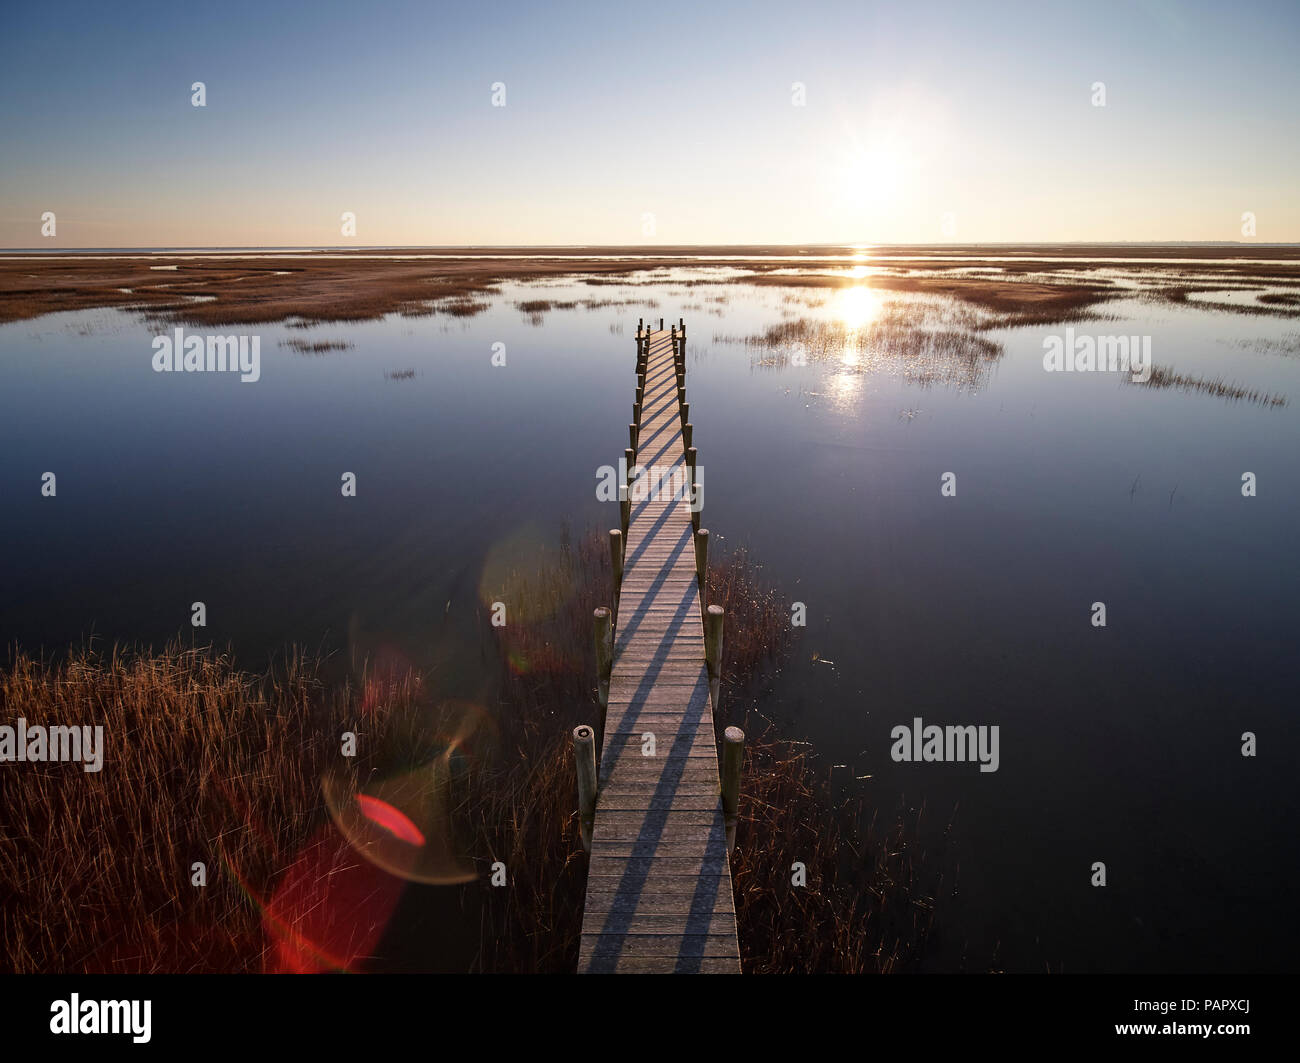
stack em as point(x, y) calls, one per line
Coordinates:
point(317, 346)
point(925, 343)
point(207, 762)
point(1287, 345)
point(1267, 304)
point(1218, 387)
point(202, 763)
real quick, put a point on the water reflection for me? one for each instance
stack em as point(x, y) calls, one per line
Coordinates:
point(856, 306)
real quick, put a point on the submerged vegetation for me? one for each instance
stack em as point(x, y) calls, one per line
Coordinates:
point(318, 346)
point(309, 865)
point(1220, 388)
point(925, 342)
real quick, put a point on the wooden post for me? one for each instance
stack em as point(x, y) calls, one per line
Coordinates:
point(584, 760)
point(691, 455)
point(733, 755)
point(625, 506)
point(629, 459)
point(616, 560)
point(661, 324)
point(631, 435)
point(702, 562)
point(713, 650)
point(688, 430)
point(604, 636)
point(686, 407)
point(681, 395)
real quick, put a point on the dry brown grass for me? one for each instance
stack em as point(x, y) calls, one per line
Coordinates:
point(206, 762)
point(202, 763)
point(869, 903)
point(1269, 304)
point(246, 289)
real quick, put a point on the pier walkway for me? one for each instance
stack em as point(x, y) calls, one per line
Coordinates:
point(659, 896)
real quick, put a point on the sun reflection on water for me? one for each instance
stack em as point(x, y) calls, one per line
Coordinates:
point(856, 306)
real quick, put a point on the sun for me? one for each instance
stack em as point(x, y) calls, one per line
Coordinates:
point(869, 181)
point(856, 306)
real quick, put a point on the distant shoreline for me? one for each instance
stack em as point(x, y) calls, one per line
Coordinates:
point(488, 250)
point(331, 285)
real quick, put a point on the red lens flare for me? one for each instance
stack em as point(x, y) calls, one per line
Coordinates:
point(393, 820)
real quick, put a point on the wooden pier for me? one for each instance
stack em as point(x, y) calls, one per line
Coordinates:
point(659, 895)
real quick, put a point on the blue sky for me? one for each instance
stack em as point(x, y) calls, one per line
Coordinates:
point(923, 122)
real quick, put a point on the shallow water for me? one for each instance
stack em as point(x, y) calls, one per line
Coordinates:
point(1118, 744)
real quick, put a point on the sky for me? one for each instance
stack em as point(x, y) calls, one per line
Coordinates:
point(674, 123)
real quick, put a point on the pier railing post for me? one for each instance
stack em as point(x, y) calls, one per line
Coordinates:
point(631, 434)
point(584, 760)
point(702, 561)
point(733, 755)
point(616, 560)
point(713, 650)
point(688, 430)
point(604, 637)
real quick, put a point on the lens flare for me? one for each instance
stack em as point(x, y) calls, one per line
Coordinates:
point(527, 576)
point(402, 822)
point(391, 819)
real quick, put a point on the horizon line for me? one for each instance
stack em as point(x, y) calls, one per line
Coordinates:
point(665, 248)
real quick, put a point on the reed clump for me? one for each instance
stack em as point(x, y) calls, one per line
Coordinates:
point(317, 346)
point(1219, 388)
point(923, 344)
point(203, 763)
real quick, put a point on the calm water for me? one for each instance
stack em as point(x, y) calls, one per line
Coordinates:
point(1119, 744)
